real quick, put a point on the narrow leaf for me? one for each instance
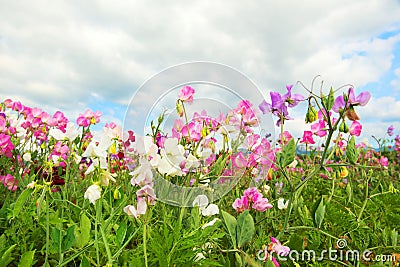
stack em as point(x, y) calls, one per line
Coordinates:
point(320, 213)
point(85, 227)
point(27, 259)
point(351, 151)
point(121, 233)
point(289, 152)
point(21, 201)
point(68, 239)
point(244, 229)
point(230, 223)
point(6, 258)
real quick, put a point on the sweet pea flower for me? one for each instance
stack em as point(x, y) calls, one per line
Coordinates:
point(261, 205)
point(9, 181)
point(282, 204)
point(93, 193)
point(241, 204)
point(307, 138)
point(6, 146)
point(186, 94)
point(361, 100)
point(292, 100)
point(319, 128)
point(355, 128)
point(206, 209)
point(136, 212)
point(390, 130)
point(278, 248)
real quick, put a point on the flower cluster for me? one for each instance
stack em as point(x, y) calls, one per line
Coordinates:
point(251, 199)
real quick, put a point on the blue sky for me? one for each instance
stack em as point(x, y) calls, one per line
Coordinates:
point(70, 55)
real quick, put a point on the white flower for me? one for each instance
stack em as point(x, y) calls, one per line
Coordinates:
point(293, 164)
point(199, 256)
point(27, 157)
point(141, 208)
point(211, 223)
point(281, 204)
point(172, 156)
point(71, 132)
point(210, 210)
point(142, 174)
point(206, 210)
point(93, 193)
point(106, 177)
point(31, 184)
point(200, 201)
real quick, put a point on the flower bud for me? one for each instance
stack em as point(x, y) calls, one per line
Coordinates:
point(344, 128)
point(312, 114)
point(179, 108)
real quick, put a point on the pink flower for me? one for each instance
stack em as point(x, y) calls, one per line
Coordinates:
point(88, 117)
point(252, 194)
point(241, 204)
point(355, 128)
point(307, 138)
point(141, 208)
point(240, 161)
point(9, 182)
point(261, 204)
point(361, 100)
point(318, 128)
point(186, 94)
point(147, 191)
point(278, 248)
point(383, 161)
point(6, 146)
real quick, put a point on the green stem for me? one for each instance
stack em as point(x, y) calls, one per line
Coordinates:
point(365, 201)
point(104, 237)
point(46, 263)
point(311, 228)
point(96, 240)
point(145, 242)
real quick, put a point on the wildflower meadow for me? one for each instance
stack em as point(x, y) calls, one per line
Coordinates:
point(208, 191)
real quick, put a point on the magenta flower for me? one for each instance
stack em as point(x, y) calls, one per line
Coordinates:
point(251, 197)
point(278, 248)
point(292, 100)
point(186, 94)
point(389, 130)
point(361, 100)
point(278, 104)
point(6, 146)
point(241, 204)
point(384, 161)
point(9, 182)
point(88, 117)
point(261, 204)
point(307, 138)
point(319, 128)
point(355, 128)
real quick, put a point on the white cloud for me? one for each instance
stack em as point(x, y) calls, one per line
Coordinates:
point(57, 55)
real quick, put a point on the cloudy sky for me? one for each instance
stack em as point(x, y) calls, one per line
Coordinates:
point(70, 55)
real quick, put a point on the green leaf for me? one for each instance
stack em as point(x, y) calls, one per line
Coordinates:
point(121, 233)
point(319, 213)
point(6, 258)
point(394, 237)
point(21, 201)
point(85, 227)
point(68, 239)
point(351, 152)
point(245, 228)
point(84, 262)
point(27, 259)
point(289, 152)
point(230, 223)
point(270, 263)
